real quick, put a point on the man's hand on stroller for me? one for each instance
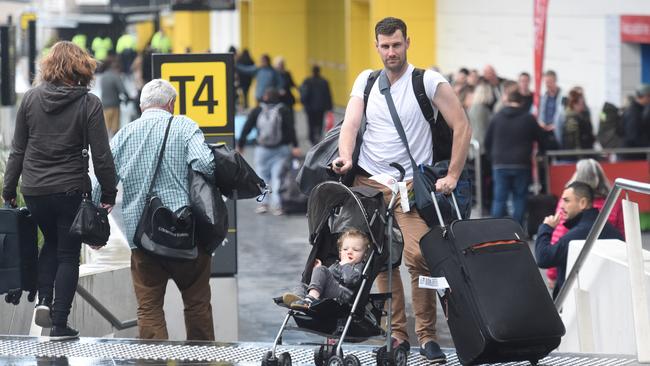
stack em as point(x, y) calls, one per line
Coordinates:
point(317, 263)
point(341, 165)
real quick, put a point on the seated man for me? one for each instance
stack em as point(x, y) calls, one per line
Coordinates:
point(576, 206)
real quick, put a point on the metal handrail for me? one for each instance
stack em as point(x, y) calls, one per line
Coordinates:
point(596, 229)
point(104, 312)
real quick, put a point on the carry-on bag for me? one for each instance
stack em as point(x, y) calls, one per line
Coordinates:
point(497, 306)
point(18, 251)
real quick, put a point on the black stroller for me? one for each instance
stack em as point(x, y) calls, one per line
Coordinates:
point(332, 209)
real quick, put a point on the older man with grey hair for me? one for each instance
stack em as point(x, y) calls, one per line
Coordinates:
point(135, 149)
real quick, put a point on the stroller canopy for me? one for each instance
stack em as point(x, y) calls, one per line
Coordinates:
point(342, 208)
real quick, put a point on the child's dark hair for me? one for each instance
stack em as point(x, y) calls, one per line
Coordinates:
point(353, 233)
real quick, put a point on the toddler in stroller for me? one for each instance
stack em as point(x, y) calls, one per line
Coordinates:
point(352, 233)
point(340, 280)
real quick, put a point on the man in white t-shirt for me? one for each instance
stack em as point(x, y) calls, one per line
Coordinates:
point(382, 146)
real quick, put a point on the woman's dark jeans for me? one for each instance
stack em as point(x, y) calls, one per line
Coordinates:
point(58, 262)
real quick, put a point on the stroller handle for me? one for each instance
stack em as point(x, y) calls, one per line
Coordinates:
point(401, 170)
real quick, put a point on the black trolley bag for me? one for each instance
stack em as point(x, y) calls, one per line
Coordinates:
point(497, 306)
point(18, 251)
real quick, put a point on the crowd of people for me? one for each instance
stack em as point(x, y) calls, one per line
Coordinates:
point(494, 111)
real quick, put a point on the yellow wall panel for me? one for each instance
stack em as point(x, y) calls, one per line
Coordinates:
point(244, 23)
point(325, 44)
point(278, 28)
point(144, 31)
point(191, 31)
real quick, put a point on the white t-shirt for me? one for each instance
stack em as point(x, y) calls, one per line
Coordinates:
point(381, 143)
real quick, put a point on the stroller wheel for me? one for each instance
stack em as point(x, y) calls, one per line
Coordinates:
point(284, 359)
point(400, 357)
point(335, 361)
point(351, 360)
point(319, 360)
point(269, 360)
point(384, 359)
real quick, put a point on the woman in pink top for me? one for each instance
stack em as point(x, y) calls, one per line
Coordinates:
point(588, 171)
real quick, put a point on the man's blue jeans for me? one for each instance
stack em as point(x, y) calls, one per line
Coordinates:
point(508, 181)
point(268, 164)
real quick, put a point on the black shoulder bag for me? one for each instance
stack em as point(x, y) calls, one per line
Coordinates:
point(425, 176)
point(161, 231)
point(91, 224)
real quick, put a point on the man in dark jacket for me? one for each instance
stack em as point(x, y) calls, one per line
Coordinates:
point(316, 98)
point(509, 143)
point(637, 121)
point(576, 206)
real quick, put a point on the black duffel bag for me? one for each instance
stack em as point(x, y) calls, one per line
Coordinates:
point(318, 161)
point(232, 173)
point(209, 210)
point(161, 231)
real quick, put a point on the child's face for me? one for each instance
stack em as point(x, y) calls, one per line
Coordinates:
point(352, 250)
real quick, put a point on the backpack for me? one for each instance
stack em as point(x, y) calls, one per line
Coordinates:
point(269, 125)
point(441, 134)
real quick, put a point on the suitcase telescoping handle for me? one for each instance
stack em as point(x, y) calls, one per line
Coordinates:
point(435, 204)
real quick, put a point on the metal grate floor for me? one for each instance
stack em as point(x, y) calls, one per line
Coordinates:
point(241, 354)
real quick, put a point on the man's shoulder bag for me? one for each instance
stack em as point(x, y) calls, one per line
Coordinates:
point(425, 176)
point(161, 231)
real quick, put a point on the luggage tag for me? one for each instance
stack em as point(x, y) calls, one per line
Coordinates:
point(439, 284)
point(404, 197)
point(395, 187)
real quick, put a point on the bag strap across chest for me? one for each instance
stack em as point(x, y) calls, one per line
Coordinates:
point(160, 156)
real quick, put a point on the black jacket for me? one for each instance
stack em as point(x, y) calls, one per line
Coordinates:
point(288, 130)
point(510, 136)
point(48, 140)
point(315, 94)
point(548, 255)
point(637, 126)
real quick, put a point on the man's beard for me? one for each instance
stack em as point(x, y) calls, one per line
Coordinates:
point(395, 67)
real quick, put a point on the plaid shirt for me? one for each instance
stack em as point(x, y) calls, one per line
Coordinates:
point(135, 150)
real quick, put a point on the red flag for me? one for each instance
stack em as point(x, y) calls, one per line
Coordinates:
point(541, 7)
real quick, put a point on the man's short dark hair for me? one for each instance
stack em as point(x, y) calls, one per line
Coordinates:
point(388, 26)
point(550, 73)
point(511, 89)
point(582, 190)
point(524, 73)
point(463, 70)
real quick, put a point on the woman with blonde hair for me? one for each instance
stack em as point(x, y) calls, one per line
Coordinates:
point(51, 122)
point(591, 172)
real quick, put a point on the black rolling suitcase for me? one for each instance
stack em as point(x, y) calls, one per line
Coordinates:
point(497, 306)
point(292, 199)
point(18, 251)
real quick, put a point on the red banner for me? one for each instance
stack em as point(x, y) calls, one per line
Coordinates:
point(635, 28)
point(541, 7)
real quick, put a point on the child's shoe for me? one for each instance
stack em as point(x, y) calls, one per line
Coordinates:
point(303, 304)
point(289, 298)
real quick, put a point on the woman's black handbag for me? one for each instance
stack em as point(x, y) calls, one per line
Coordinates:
point(90, 225)
point(425, 176)
point(161, 231)
point(209, 210)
